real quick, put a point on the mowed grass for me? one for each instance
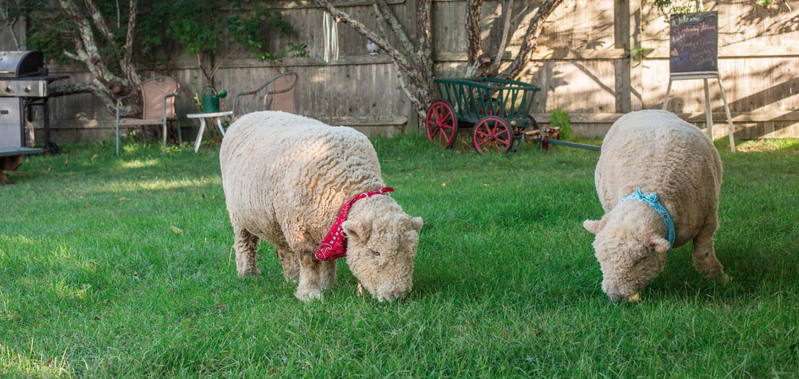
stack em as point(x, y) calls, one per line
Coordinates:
point(122, 267)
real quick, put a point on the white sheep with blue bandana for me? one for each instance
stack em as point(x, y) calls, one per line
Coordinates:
point(656, 172)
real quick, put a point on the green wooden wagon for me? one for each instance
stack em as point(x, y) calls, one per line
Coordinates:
point(498, 110)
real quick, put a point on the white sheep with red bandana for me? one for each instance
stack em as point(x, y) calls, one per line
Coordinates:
point(286, 178)
point(655, 152)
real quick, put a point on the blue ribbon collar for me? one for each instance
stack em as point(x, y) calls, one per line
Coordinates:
point(652, 200)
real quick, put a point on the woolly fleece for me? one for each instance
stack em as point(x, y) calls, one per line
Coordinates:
point(286, 177)
point(658, 152)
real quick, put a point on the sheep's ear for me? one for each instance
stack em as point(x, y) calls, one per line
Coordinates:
point(356, 230)
point(417, 223)
point(659, 244)
point(595, 226)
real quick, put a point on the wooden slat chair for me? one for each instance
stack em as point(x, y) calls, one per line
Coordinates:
point(158, 106)
point(278, 95)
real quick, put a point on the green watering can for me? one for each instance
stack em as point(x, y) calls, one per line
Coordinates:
point(211, 99)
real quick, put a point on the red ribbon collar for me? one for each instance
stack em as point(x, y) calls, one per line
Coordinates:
point(335, 243)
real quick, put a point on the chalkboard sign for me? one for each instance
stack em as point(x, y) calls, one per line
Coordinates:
point(694, 42)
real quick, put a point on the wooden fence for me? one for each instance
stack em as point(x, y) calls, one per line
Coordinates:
point(597, 59)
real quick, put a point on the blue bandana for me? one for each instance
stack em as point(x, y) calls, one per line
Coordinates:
point(652, 199)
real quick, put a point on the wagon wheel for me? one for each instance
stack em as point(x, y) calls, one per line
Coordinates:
point(492, 133)
point(441, 123)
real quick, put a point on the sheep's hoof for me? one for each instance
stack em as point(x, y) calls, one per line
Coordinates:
point(634, 298)
point(251, 272)
point(308, 295)
point(724, 279)
point(290, 279)
point(360, 289)
point(291, 274)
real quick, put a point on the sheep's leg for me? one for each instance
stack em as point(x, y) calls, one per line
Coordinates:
point(309, 287)
point(290, 262)
point(304, 247)
point(327, 274)
point(704, 254)
point(246, 246)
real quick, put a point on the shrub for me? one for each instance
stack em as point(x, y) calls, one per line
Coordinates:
point(560, 118)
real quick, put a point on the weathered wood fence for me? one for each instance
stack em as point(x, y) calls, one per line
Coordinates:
point(597, 59)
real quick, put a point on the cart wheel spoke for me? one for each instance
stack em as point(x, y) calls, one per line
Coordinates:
point(434, 129)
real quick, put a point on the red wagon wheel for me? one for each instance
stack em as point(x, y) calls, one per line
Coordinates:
point(441, 123)
point(492, 133)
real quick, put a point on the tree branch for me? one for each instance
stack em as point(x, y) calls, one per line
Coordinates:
point(69, 89)
point(381, 42)
point(107, 84)
point(93, 60)
point(10, 26)
point(379, 19)
point(505, 31)
point(130, 39)
point(72, 56)
point(414, 67)
point(520, 14)
point(385, 12)
point(215, 68)
point(424, 38)
point(415, 100)
point(99, 21)
point(471, 71)
point(99, 90)
point(529, 43)
point(208, 78)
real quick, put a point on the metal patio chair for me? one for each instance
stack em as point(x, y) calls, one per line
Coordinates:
point(158, 107)
point(278, 95)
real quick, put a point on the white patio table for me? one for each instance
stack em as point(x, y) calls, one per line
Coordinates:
point(202, 116)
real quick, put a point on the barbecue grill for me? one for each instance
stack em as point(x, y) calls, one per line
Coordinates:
point(24, 83)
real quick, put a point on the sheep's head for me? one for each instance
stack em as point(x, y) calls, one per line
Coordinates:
point(381, 246)
point(629, 257)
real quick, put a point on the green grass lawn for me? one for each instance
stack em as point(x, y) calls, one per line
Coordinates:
point(122, 267)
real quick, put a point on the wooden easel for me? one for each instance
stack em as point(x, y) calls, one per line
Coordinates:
point(694, 54)
point(704, 76)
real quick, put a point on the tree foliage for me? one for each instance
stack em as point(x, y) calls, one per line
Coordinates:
point(679, 6)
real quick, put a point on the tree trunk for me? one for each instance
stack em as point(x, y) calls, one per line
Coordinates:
point(105, 84)
point(474, 42)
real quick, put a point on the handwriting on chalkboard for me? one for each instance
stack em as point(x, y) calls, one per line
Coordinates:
point(694, 41)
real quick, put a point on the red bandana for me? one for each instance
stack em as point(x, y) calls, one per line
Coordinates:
point(335, 243)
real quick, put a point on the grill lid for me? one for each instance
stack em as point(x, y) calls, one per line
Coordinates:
point(21, 63)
